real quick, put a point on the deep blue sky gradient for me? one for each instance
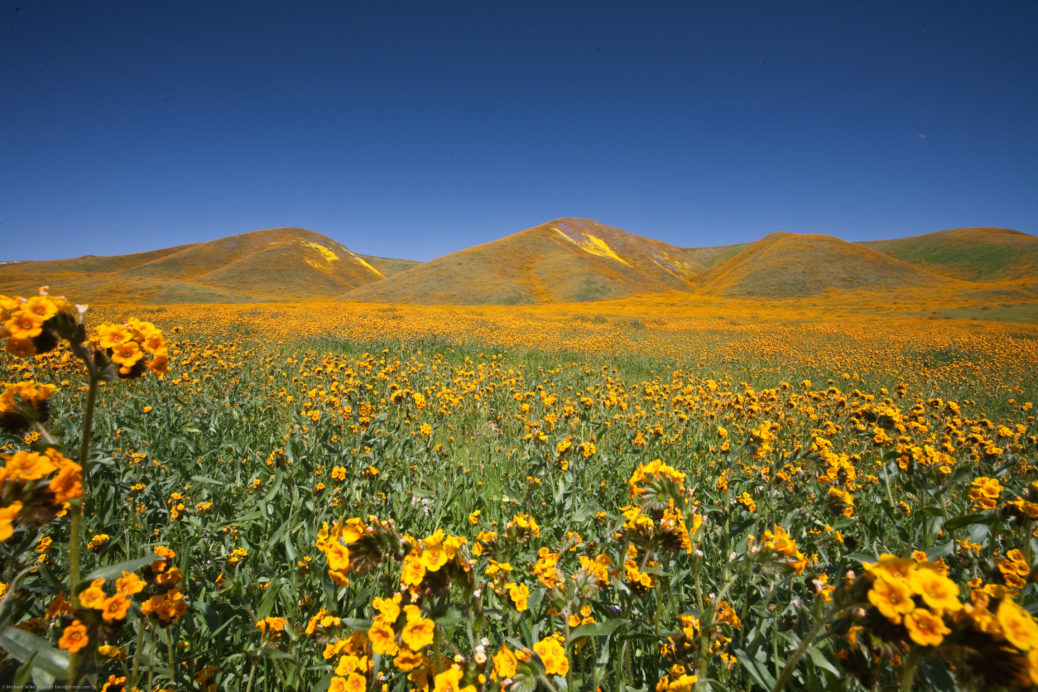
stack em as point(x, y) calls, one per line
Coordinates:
point(413, 129)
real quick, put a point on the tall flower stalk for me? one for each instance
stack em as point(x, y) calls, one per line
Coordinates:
point(36, 326)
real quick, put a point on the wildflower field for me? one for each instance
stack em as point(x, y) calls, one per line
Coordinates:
point(620, 496)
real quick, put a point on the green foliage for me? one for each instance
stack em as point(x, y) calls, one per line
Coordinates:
point(239, 457)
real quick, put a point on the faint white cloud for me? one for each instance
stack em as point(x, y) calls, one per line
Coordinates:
point(921, 135)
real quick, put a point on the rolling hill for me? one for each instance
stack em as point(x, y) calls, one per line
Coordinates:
point(559, 261)
point(270, 265)
point(786, 265)
point(972, 254)
point(565, 260)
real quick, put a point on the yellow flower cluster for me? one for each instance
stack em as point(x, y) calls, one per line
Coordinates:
point(399, 629)
point(985, 493)
point(403, 632)
point(1024, 507)
point(657, 523)
point(843, 500)
point(896, 583)
point(450, 680)
point(34, 486)
point(677, 680)
point(646, 478)
point(116, 606)
point(272, 626)
point(523, 526)
point(918, 596)
point(33, 325)
point(779, 541)
point(135, 347)
point(552, 653)
point(428, 556)
point(1014, 569)
point(109, 609)
point(168, 603)
point(23, 404)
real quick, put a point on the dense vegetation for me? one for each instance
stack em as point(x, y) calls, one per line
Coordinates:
point(477, 499)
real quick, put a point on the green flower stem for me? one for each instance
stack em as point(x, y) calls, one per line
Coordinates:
point(908, 672)
point(1028, 552)
point(76, 511)
point(547, 683)
point(252, 673)
point(151, 668)
point(886, 484)
point(77, 504)
point(169, 653)
point(44, 434)
point(704, 636)
point(805, 644)
point(704, 633)
point(138, 655)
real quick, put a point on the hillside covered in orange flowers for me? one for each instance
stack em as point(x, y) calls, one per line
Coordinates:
point(562, 261)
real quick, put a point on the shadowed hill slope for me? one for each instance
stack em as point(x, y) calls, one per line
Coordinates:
point(570, 260)
point(972, 254)
point(707, 257)
point(387, 266)
point(784, 265)
point(275, 264)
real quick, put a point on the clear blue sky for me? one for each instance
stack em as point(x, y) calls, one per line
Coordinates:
point(413, 129)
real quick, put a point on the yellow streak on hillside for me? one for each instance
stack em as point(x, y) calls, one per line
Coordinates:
point(325, 252)
point(320, 266)
point(376, 271)
point(595, 246)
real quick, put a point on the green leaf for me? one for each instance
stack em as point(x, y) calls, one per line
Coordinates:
point(524, 683)
point(758, 670)
point(244, 519)
point(596, 629)
point(937, 675)
point(585, 512)
point(969, 520)
point(862, 557)
point(267, 604)
point(819, 659)
point(42, 679)
point(290, 550)
point(450, 619)
point(979, 533)
point(279, 532)
point(207, 479)
point(356, 623)
point(23, 674)
point(115, 571)
point(49, 576)
point(940, 550)
point(26, 647)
